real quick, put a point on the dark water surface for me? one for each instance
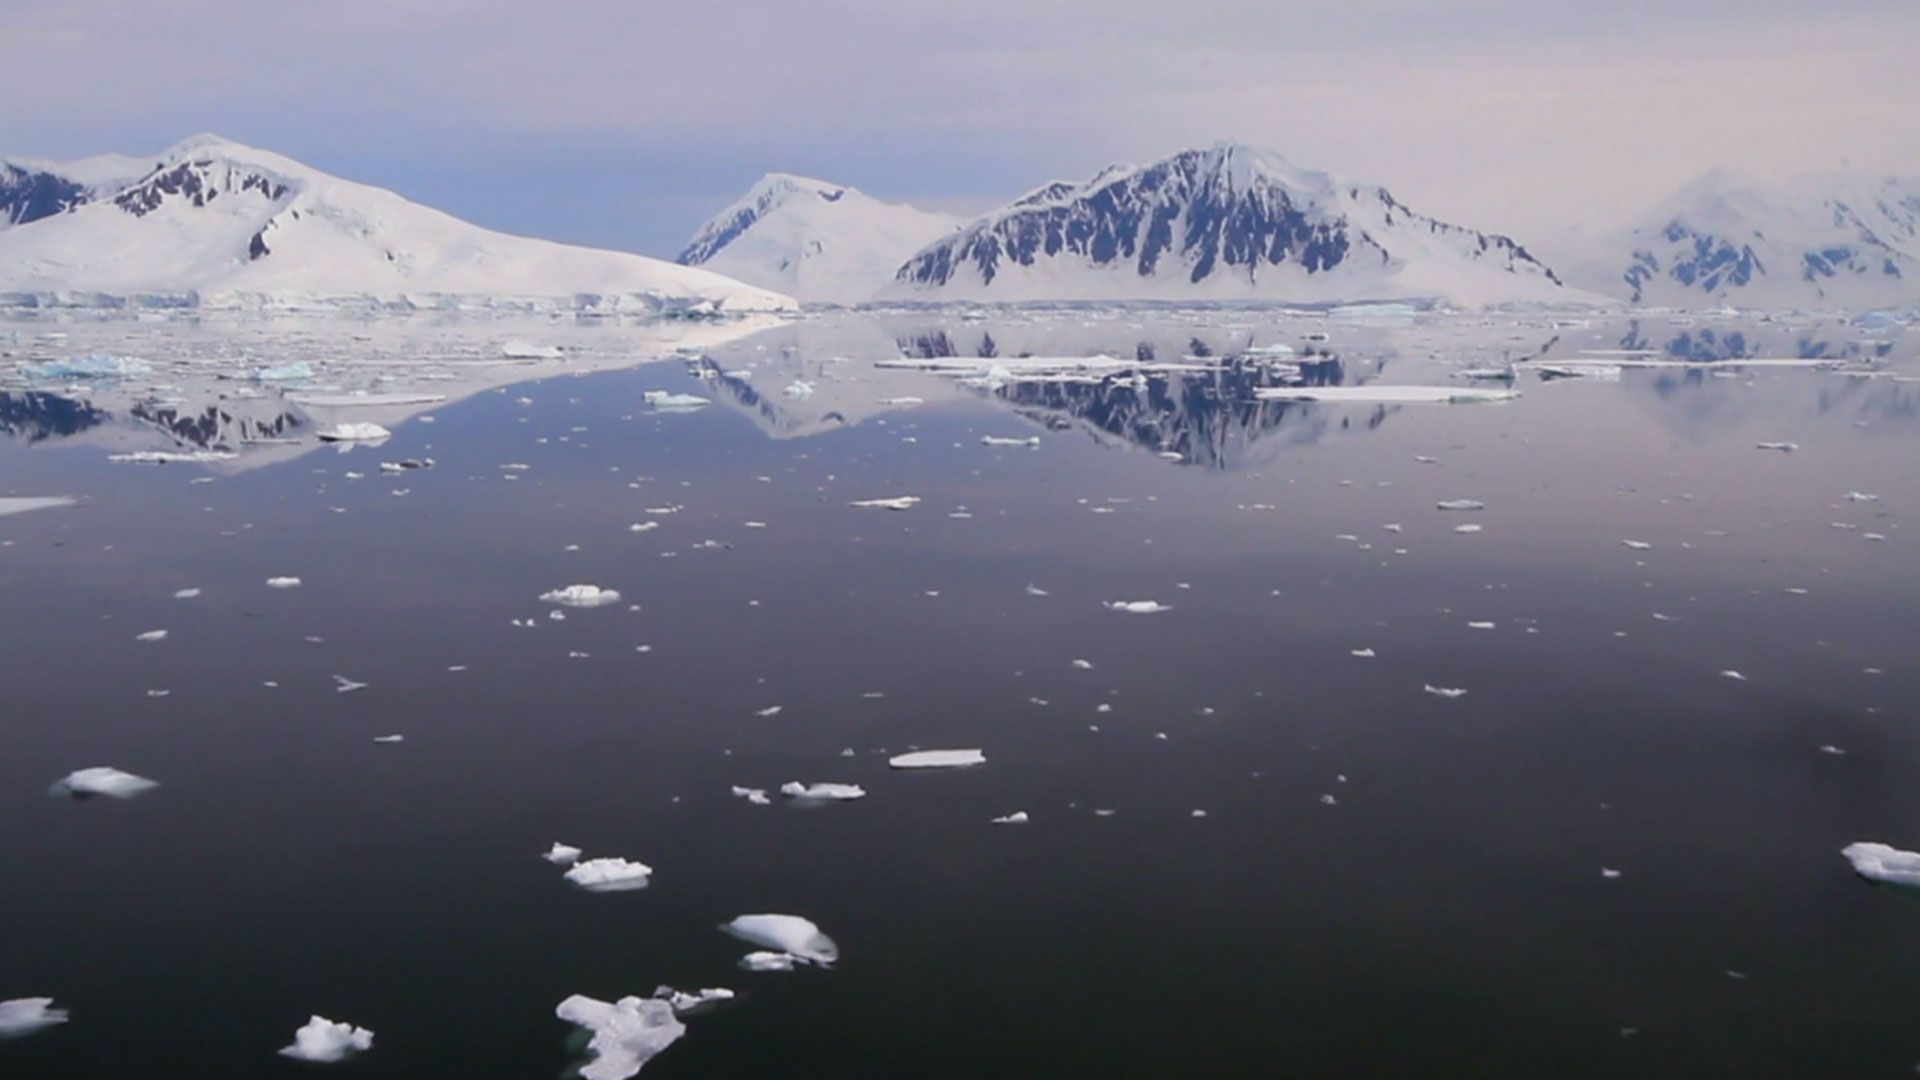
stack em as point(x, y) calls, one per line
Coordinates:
point(1445, 915)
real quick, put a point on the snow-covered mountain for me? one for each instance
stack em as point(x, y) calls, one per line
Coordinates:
point(213, 223)
point(819, 242)
point(1231, 222)
point(1834, 241)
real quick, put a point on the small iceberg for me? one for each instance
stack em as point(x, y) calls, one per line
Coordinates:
point(626, 1034)
point(667, 401)
point(562, 854)
point(1460, 504)
point(610, 875)
point(354, 432)
point(1883, 864)
point(897, 502)
point(526, 350)
point(286, 582)
point(16, 505)
point(1448, 692)
point(822, 792)
point(151, 635)
point(326, 1041)
point(754, 795)
point(24, 1016)
point(938, 759)
point(581, 596)
point(1138, 607)
point(1018, 817)
point(790, 934)
point(96, 366)
point(102, 780)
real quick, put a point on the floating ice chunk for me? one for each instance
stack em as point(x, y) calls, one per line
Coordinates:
point(1364, 654)
point(1732, 674)
point(667, 401)
point(1447, 692)
point(1377, 394)
point(1637, 545)
point(1018, 817)
point(581, 596)
point(997, 440)
point(326, 1041)
point(354, 432)
point(171, 457)
point(822, 792)
point(151, 635)
point(902, 402)
point(344, 685)
point(610, 875)
point(1138, 607)
point(28, 505)
point(771, 710)
point(754, 795)
point(185, 594)
point(1083, 665)
point(389, 739)
point(96, 366)
point(1862, 496)
point(1480, 625)
point(24, 1016)
point(526, 350)
point(1467, 529)
point(626, 1034)
point(683, 1002)
point(1609, 873)
point(1886, 865)
point(283, 583)
point(1785, 447)
point(789, 934)
point(938, 759)
point(897, 502)
point(293, 372)
point(799, 389)
point(643, 526)
point(562, 854)
point(1460, 504)
point(768, 961)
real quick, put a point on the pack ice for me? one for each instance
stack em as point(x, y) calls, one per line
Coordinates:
point(626, 1034)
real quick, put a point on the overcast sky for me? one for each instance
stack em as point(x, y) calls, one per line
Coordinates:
point(624, 123)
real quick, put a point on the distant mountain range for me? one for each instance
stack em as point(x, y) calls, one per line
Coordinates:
point(820, 242)
point(210, 222)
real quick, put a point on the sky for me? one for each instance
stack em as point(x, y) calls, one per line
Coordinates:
point(625, 123)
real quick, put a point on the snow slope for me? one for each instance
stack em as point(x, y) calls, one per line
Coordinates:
point(819, 242)
point(1833, 241)
point(1231, 222)
point(213, 223)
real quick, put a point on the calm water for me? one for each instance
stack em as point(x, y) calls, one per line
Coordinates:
point(1445, 915)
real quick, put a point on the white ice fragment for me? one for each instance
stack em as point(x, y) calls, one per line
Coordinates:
point(562, 854)
point(1448, 692)
point(283, 583)
point(788, 934)
point(771, 710)
point(526, 350)
point(756, 796)
point(1460, 504)
point(998, 440)
point(1467, 529)
point(170, 457)
point(581, 596)
point(354, 432)
point(151, 635)
point(389, 739)
point(684, 1002)
point(937, 759)
point(1862, 496)
point(822, 792)
point(1786, 447)
point(1886, 865)
point(897, 502)
point(1732, 674)
point(344, 685)
point(185, 594)
point(24, 1016)
point(1480, 625)
point(1637, 545)
point(1083, 665)
point(666, 401)
point(27, 505)
point(1609, 873)
point(626, 1034)
point(1384, 395)
point(1364, 654)
point(326, 1041)
point(799, 389)
point(609, 875)
point(1018, 817)
point(768, 961)
point(1138, 607)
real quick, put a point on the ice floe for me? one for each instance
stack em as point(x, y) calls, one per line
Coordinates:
point(937, 759)
point(610, 875)
point(25, 505)
point(897, 502)
point(151, 635)
point(24, 1016)
point(790, 934)
point(353, 432)
point(1018, 817)
point(285, 582)
point(666, 401)
point(756, 796)
point(581, 596)
point(822, 792)
point(326, 1041)
point(626, 1034)
point(562, 854)
point(1138, 607)
point(102, 780)
point(1448, 692)
point(1460, 504)
point(1884, 864)
point(768, 961)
